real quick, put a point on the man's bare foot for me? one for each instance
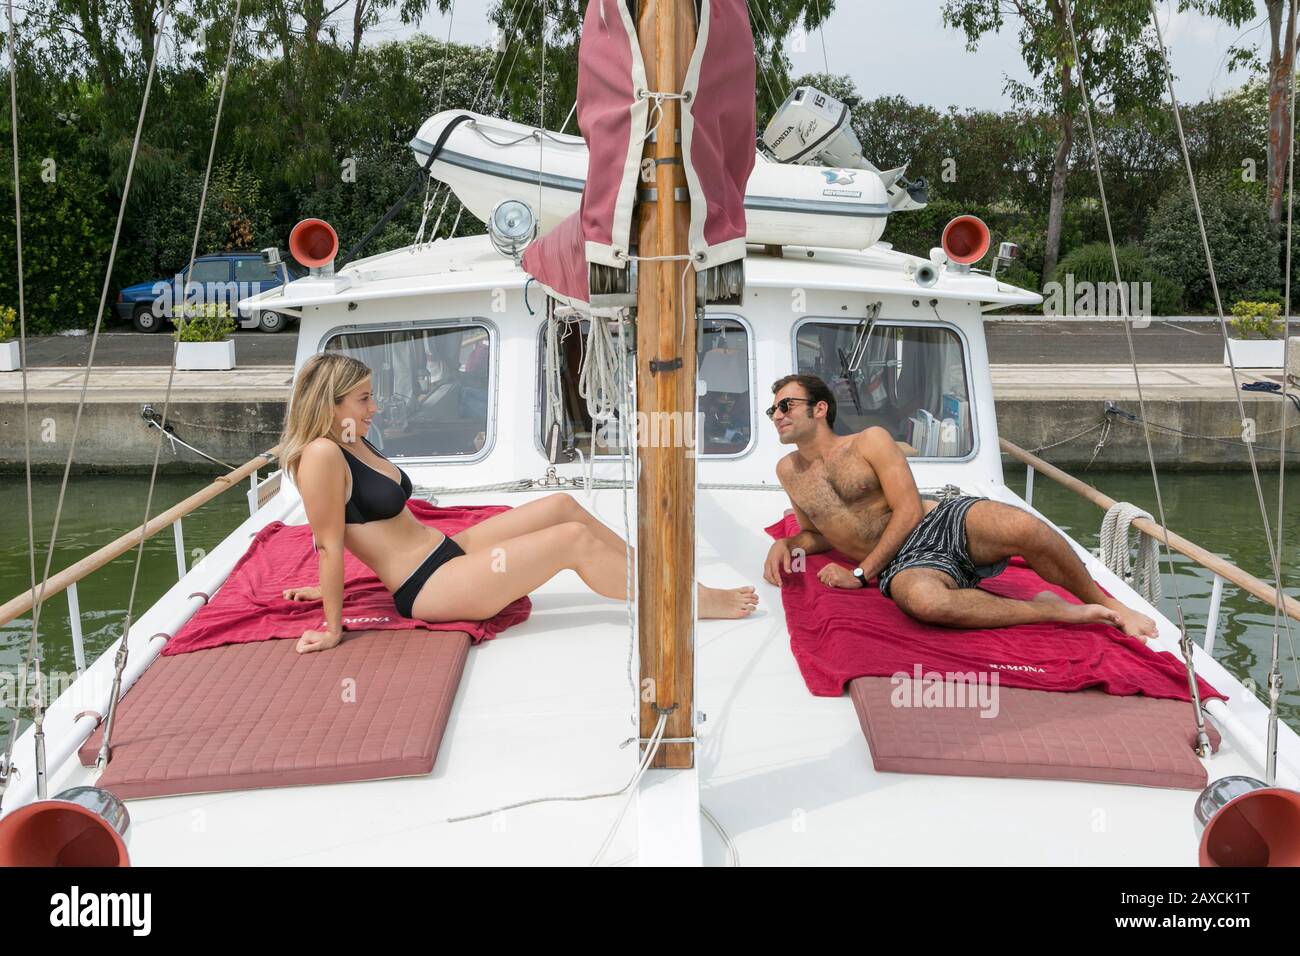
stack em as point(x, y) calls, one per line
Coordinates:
point(1135, 624)
point(1067, 613)
point(728, 603)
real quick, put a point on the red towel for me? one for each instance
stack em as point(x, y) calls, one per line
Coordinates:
point(250, 605)
point(838, 634)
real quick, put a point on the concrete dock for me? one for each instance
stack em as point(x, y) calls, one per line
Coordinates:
point(1052, 382)
point(1192, 411)
point(231, 416)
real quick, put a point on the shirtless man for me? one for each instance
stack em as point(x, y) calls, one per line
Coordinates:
point(856, 493)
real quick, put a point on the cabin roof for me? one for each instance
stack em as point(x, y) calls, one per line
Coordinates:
point(470, 264)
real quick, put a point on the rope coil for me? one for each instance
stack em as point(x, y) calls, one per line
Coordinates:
point(1142, 574)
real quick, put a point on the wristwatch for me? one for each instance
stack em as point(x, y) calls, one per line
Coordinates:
point(861, 576)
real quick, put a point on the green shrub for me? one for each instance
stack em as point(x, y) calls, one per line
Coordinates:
point(1263, 295)
point(66, 235)
point(1256, 318)
point(8, 320)
point(1092, 263)
point(1245, 252)
point(205, 323)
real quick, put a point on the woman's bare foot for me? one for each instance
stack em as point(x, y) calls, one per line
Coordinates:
point(1067, 613)
point(728, 603)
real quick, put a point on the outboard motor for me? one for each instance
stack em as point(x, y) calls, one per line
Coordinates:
point(811, 128)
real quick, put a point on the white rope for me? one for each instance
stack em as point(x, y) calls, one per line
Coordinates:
point(587, 466)
point(657, 106)
point(430, 196)
point(733, 851)
point(1144, 574)
point(555, 337)
point(652, 747)
point(645, 760)
point(598, 379)
point(536, 133)
point(627, 405)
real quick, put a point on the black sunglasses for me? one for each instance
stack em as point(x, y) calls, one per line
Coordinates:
point(784, 405)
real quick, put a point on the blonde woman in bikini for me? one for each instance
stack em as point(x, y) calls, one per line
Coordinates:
point(355, 498)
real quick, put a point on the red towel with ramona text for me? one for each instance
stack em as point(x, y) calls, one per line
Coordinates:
point(250, 605)
point(838, 634)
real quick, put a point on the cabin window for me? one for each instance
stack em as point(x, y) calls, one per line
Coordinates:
point(910, 380)
point(725, 400)
point(433, 387)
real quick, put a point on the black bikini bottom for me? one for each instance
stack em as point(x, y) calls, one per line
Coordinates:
point(404, 596)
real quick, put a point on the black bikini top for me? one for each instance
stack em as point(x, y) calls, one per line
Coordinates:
point(375, 496)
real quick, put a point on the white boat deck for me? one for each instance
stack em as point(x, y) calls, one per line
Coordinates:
point(542, 711)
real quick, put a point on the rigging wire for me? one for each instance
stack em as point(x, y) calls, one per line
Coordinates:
point(763, 71)
point(1275, 673)
point(33, 650)
point(478, 95)
point(101, 761)
point(821, 31)
point(1273, 551)
point(22, 363)
point(541, 117)
point(1202, 738)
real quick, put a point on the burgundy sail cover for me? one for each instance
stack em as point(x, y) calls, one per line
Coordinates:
point(718, 131)
point(613, 113)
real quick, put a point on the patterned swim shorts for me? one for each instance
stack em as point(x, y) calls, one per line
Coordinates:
point(939, 542)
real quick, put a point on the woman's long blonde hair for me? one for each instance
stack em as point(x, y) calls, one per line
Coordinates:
point(325, 379)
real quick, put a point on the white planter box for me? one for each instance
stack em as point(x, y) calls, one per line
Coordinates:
point(10, 357)
point(205, 356)
point(1256, 353)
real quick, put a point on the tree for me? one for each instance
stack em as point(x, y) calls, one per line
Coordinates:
point(1279, 73)
point(776, 25)
point(1121, 64)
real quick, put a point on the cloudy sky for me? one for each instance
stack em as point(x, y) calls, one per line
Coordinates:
point(926, 62)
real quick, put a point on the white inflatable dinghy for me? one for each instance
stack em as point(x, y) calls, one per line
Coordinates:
point(485, 159)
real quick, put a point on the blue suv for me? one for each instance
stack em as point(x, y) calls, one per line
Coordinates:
point(221, 278)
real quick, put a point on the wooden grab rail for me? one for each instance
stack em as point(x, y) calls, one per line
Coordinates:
point(24, 602)
point(1225, 569)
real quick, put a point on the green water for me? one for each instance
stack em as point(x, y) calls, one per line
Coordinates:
point(97, 509)
point(1216, 510)
point(1220, 512)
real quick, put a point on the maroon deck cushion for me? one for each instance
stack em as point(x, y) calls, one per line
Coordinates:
point(1086, 735)
point(262, 715)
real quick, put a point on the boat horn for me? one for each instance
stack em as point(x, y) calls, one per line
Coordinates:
point(314, 243)
point(965, 240)
point(82, 826)
point(926, 275)
point(1245, 822)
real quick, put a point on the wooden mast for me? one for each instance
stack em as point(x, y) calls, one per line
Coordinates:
point(666, 401)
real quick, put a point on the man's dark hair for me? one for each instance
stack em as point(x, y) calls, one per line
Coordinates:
point(817, 392)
